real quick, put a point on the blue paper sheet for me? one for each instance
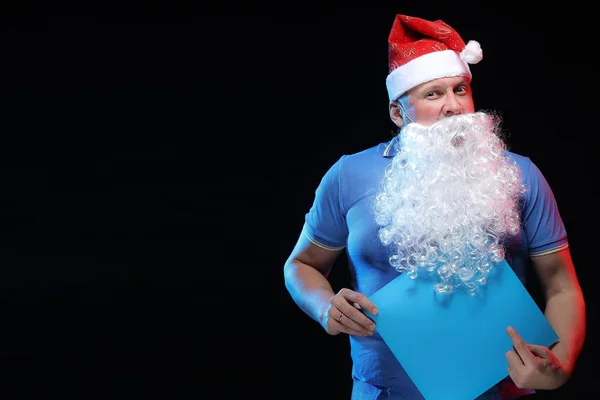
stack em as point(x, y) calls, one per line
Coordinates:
point(453, 346)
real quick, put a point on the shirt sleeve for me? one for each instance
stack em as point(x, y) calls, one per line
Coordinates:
point(544, 227)
point(325, 223)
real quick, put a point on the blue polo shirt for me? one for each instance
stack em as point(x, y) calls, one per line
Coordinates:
point(341, 218)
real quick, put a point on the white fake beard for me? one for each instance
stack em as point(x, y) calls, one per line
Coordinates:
point(448, 199)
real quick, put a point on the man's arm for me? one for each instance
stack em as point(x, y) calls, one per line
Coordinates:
point(305, 275)
point(565, 305)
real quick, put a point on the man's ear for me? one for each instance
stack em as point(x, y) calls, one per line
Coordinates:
point(395, 114)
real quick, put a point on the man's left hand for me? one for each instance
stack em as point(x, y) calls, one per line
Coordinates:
point(532, 366)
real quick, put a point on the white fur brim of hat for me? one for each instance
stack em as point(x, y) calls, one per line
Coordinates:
point(430, 66)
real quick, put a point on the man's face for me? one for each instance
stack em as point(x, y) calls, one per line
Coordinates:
point(438, 99)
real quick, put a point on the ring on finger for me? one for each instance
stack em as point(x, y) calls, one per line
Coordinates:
point(340, 317)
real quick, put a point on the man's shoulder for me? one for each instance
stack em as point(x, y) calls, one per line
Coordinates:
point(364, 166)
point(374, 152)
point(520, 159)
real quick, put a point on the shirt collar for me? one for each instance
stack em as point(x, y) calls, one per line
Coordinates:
point(390, 150)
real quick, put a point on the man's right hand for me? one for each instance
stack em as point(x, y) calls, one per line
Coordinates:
point(343, 314)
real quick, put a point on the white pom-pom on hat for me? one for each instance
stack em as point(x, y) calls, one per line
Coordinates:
point(472, 52)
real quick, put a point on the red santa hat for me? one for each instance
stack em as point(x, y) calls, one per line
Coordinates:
point(420, 51)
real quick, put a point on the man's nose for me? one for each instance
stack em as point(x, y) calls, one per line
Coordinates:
point(451, 106)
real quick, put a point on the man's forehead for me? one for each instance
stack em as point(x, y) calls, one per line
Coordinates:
point(443, 82)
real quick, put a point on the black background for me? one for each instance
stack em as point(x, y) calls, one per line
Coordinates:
point(156, 164)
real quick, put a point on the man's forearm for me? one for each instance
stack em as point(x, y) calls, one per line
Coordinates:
point(309, 288)
point(566, 313)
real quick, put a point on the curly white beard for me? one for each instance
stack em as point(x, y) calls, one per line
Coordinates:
point(448, 199)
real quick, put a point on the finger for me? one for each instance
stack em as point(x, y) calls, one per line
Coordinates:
point(350, 331)
point(520, 346)
point(343, 302)
point(353, 317)
point(346, 321)
point(363, 301)
point(513, 358)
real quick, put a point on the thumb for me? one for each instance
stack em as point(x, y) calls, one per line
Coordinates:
point(539, 351)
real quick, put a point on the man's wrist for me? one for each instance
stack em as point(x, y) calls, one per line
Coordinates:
point(324, 309)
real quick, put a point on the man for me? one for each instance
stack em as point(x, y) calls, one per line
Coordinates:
point(445, 191)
